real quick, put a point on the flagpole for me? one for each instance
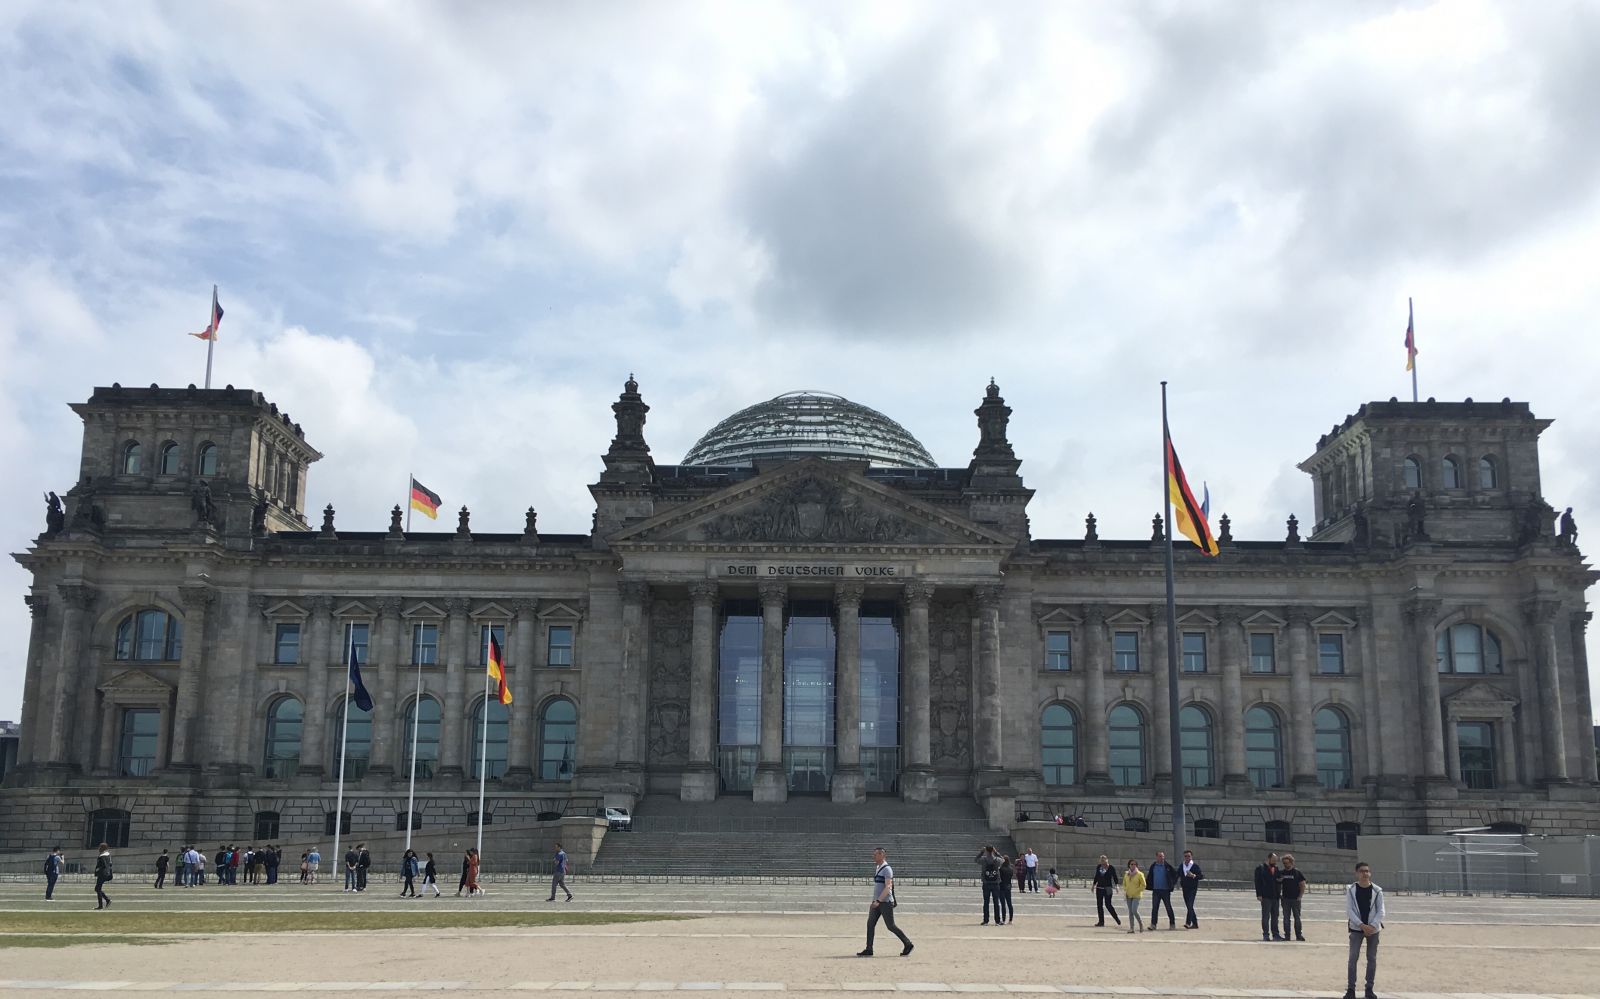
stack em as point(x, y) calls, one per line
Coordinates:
point(344, 742)
point(211, 341)
point(1174, 729)
point(416, 720)
point(483, 757)
point(1411, 324)
point(411, 483)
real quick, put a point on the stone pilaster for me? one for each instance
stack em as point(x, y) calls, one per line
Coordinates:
point(771, 782)
point(244, 745)
point(1579, 622)
point(186, 724)
point(451, 737)
point(1541, 617)
point(916, 779)
point(849, 785)
point(1422, 616)
point(1302, 744)
point(1235, 653)
point(634, 678)
point(1160, 707)
point(520, 735)
point(382, 673)
point(700, 777)
point(1097, 772)
point(34, 713)
point(315, 757)
point(988, 761)
point(1371, 727)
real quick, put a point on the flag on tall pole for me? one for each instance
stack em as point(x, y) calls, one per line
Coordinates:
point(1411, 346)
point(1188, 516)
point(424, 499)
point(497, 670)
point(209, 334)
point(1177, 500)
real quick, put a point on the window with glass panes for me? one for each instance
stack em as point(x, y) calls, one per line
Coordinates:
point(1263, 747)
point(484, 631)
point(1058, 650)
point(558, 740)
point(1194, 734)
point(1333, 749)
point(285, 721)
point(1476, 742)
point(355, 642)
point(1058, 745)
point(1125, 746)
point(424, 644)
point(149, 635)
point(1194, 652)
point(286, 643)
point(1263, 652)
point(423, 716)
point(1467, 648)
point(1330, 653)
point(1125, 652)
point(358, 742)
point(498, 743)
point(558, 650)
point(141, 728)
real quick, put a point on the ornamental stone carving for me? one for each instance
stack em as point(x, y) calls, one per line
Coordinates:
point(919, 593)
point(389, 606)
point(320, 604)
point(76, 596)
point(671, 629)
point(950, 687)
point(633, 590)
point(773, 591)
point(814, 510)
point(849, 593)
point(703, 592)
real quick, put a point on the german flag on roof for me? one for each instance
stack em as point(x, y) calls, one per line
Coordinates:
point(424, 499)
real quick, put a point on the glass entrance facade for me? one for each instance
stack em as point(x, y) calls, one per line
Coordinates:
point(880, 698)
point(739, 696)
point(808, 693)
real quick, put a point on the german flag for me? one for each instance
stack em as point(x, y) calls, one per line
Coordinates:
point(424, 499)
point(497, 670)
point(1187, 515)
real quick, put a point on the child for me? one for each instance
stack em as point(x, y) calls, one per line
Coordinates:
point(430, 877)
point(1052, 884)
point(1133, 890)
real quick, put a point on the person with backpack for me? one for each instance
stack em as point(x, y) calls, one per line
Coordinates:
point(988, 862)
point(53, 864)
point(408, 870)
point(162, 862)
point(102, 874)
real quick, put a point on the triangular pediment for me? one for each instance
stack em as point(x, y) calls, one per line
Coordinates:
point(492, 610)
point(135, 684)
point(424, 610)
point(284, 609)
point(556, 610)
point(810, 502)
point(1481, 693)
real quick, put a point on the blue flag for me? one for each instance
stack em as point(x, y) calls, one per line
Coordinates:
point(362, 698)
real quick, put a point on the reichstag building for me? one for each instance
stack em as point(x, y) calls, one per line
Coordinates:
point(807, 604)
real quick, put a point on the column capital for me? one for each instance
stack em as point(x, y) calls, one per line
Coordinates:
point(77, 596)
point(773, 591)
point(1232, 615)
point(524, 608)
point(703, 592)
point(634, 590)
point(1298, 617)
point(196, 596)
point(1422, 610)
point(319, 604)
point(849, 594)
point(388, 607)
point(918, 593)
point(1540, 610)
point(38, 603)
point(257, 603)
point(1363, 616)
point(1094, 615)
point(457, 607)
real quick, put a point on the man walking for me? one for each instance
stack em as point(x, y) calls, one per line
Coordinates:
point(989, 877)
point(1189, 878)
point(883, 904)
point(559, 878)
point(1363, 905)
point(161, 869)
point(1032, 860)
point(1163, 878)
point(53, 863)
point(1291, 887)
point(1267, 895)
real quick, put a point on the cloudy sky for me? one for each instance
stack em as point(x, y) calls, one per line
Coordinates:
point(446, 233)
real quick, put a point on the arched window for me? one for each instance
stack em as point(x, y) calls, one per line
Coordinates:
point(1413, 473)
point(1125, 745)
point(424, 715)
point(206, 461)
point(266, 826)
point(1058, 745)
point(1488, 473)
point(499, 738)
point(358, 744)
point(558, 740)
point(108, 826)
point(1135, 824)
point(1207, 829)
point(131, 461)
point(150, 636)
point(1467, 648)
point(1278, 831)
point(169, 459)
point(1263, 747)
point(1346, 835)
point(1333, 749)
point(285, 721)
point(1194, 734)
point(1451, 471)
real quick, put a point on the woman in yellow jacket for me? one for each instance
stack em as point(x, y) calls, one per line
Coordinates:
point(1133, 889)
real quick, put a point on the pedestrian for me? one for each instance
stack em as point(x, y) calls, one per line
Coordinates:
point(305, 867)
point(1052, 884)
point(989, 877)
point(1189, 878)
point(1007, 869)
point(363, 861)
point(408, 870)
point(1291, 889)
point(350, 858)
point(1363, 909)
point(1020, 868)
point(430, 877)
point(54, 862)
point(274, 861)
point(1162, 878)
point(185, 867)
point(559, 878)
point(234, 856)
point(1267, 895)
point(102, 874)
point(883, 904)
point(1032, 860)
point(1133, 884)
point(474, 863)
point(1104, 884)
point(315, 860)
point(466, 872)
point(162, 863)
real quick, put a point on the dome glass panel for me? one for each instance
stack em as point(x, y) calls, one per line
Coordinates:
point(807, 424)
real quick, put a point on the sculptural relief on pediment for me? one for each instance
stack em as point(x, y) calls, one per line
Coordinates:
point(817, 511)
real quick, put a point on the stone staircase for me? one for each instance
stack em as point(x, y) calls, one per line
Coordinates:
point(802, 837)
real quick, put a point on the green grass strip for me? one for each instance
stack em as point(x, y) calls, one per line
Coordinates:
point(271, 922)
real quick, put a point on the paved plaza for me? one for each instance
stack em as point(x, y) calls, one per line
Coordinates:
point(765, 936)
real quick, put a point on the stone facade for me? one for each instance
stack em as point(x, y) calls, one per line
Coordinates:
point(1416, 665)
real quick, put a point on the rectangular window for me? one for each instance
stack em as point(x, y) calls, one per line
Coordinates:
point(1058, 650)
point(328, 820)
point(267, 824)
point(424, 645)
point(559, 647)
point(140, 731)
point(286, 644)
point(1476, 741)
point(1263, 652)
point(1330, 654)
point(1125, 652)
point(355, 643)
point(499, 633)
point(1194, 652)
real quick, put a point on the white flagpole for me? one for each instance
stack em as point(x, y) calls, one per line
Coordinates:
point(211, 341)
point(416, 718)
point(411, 483)
point(1411, 324)
point(483, 756)
point(344, 742)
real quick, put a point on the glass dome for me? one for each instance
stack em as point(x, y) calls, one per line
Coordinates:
point(804, 424)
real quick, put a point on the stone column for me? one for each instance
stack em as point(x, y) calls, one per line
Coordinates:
point(1235, 653)
point(1097, 771)
point(105, 761)
point(631, 686)
point(241, 747)
point(700, 777)
point(988, 712)
point(1367, 664)
point(1422, 615)
point(520, 735)
point(771, 783)
point(1160, 708)
point(34, 712)
point(849, 785)
point(1541, 616)
point(186, 722)
point(383, 675)
point(1302, 730)
point(1580, 668)
point(917, 782)
point(314, 755)
point(451, 737)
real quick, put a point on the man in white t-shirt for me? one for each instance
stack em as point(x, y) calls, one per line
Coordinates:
point(883, 904)
point(1031, 861)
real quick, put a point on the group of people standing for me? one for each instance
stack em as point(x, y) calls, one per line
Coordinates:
point(996, 871)
point(258, 866)
point(1161, 881)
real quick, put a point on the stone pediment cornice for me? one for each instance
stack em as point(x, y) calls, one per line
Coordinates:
point(136, 686)
point(1481, 694)
point(812, 504)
